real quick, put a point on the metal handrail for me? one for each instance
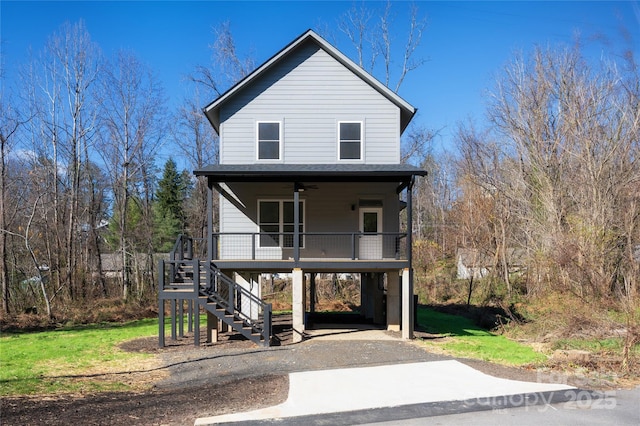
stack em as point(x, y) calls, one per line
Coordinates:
point(183, 247)
point(252, 246)
point(177, 248)
point(222, 290)
point(180, 259)
point(235, 293)
point(328, 234)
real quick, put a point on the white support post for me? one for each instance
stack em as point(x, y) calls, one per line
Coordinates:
point(393, 301)
point(407, 304)
point(298, 305)
point(212, 328)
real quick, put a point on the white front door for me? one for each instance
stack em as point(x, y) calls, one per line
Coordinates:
point(370, 246)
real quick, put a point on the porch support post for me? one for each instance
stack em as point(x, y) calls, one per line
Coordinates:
point(161, 320)
point(207, 271)
point(312, 292)
point(212, 328)
point(173, 319)
point(296, 223)
point(298, 305)
point(407, 305)
point(393, 300)
point(366, 294)
point(209, 224)
point(407, 274)
point(181, 317)
point(251, 284)
point(410, 224)
point(196, 330)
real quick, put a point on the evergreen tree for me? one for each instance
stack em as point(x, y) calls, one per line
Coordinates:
point(168, 208)
point(171, 191)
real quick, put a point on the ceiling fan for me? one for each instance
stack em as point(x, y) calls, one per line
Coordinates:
point(301, 186)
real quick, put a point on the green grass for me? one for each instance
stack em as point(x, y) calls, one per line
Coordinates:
point(465, 339)
point(65, 360)
point(56, 361)
point(608, 345)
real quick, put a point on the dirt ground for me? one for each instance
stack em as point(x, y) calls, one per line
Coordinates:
point(229, 376)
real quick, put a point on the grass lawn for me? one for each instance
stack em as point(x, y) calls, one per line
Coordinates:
point(63, 360)
point(75, 359)
point(465, 339)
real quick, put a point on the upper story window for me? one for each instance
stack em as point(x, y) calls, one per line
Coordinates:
point(269, 140)
point(350, 140)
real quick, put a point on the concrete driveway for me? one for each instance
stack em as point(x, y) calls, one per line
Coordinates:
point(351, 395)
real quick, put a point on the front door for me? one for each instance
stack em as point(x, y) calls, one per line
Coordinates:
point(370, 246)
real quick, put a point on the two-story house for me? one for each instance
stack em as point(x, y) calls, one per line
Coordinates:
point(309, 181)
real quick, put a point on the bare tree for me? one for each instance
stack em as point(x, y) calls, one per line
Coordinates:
point(10, 122)
point(80, 64)
point(372, 40)
point(133, 115)
point(573, 131)
point(356, 25)
point(59, 92)
point(197, 140)
point(227, 66)
point(470, 213)
point(210, 81)
point(486, 166)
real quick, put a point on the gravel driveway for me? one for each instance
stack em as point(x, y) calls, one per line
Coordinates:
point(219, 364)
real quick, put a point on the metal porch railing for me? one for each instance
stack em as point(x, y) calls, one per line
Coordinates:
point(317, 245)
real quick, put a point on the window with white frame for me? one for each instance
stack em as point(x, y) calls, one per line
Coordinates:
point(269, 140)
point(350, 140)
point(276, 223)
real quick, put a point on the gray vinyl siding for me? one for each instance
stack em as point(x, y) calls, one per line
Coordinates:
point(309, 93)
point(329, 208)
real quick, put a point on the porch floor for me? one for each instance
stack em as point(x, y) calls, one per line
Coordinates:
point(311, 265)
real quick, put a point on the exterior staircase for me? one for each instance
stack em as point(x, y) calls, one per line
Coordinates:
point(200, 283)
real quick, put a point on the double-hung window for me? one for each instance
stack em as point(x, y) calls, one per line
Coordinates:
point(277, 224)
point(269, 140)
point(350, 140)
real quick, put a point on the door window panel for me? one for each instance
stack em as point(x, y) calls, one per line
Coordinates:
point(370, 222)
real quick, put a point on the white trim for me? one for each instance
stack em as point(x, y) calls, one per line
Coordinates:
point(280, 141)
point(377, 210)
point(339, 140)
point(371, 246)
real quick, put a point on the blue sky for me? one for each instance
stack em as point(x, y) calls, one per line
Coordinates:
point(466, 43)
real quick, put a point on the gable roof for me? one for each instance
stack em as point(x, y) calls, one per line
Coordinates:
point(407, 111)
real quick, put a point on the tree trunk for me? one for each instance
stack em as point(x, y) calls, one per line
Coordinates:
point(4, 264)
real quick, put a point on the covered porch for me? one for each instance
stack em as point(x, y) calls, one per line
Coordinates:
point(308, 219)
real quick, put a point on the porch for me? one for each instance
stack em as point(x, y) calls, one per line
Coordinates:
point(300, 220)
point(230, 290)
point(319, 251)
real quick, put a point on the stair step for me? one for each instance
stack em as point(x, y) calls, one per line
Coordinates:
point(181, 286)
point(210, 299)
